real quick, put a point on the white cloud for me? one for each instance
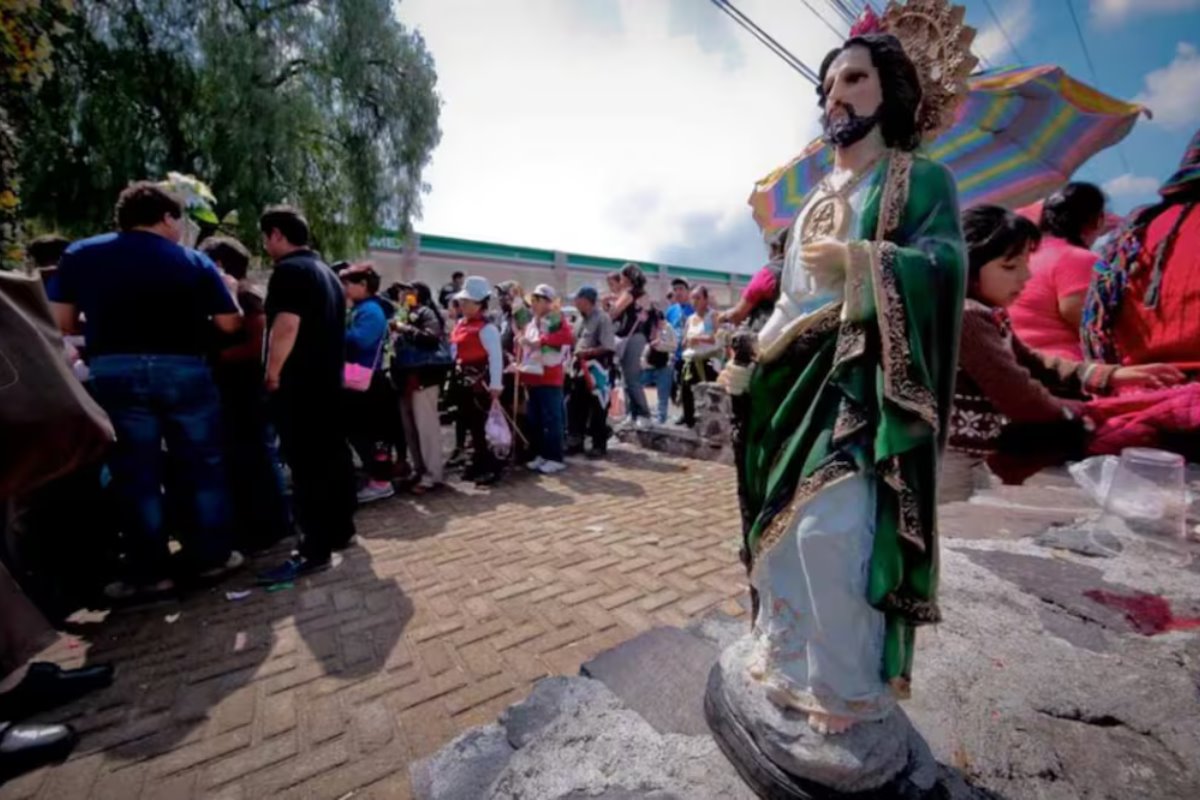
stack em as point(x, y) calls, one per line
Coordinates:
point(1132, 186)
point(1173, 92)
point(613, 127)
point(1110, 12)
point(990, 42)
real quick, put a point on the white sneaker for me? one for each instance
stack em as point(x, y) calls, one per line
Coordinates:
point(536, 464)
point(641, 423)
point(235, 561)
point(375, 491)
point(551, 467)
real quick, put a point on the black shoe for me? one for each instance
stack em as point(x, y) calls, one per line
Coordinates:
point(471, 473)
point(27, 747)
point(48, 686)
point(292, 569)
point(488, 479)
point(597, 453)
point(574, 450)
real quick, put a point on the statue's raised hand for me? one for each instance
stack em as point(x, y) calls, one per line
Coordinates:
point(826, 260)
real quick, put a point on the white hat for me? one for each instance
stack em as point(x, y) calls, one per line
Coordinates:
point(545, 290)
point(476, 289)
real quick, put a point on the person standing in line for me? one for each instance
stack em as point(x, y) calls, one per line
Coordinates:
point(629, 314)
point(479, 365)
point(658, 362)
point(261, 515)
point(370, 415)
point(591, 386)
point(306, 318)
point(701, 354)
point(544, 341)
point(150, 305)
point(677, 315)
point(419, 369)
point(450, 289)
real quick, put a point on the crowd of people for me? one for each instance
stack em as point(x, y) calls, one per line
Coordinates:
point(214, 389)
point(240, 414)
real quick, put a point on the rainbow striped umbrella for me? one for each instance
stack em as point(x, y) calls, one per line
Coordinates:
point(1019, 135)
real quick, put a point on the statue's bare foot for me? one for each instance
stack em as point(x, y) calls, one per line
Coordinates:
point(829, 724)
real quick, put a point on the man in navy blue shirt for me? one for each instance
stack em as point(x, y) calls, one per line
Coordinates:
point(306, 354)
point(150, 306)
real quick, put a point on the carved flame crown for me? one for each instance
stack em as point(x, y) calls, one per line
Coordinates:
point(934, 36)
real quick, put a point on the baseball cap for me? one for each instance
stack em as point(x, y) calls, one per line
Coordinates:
point(545, 290)
point(587, 293)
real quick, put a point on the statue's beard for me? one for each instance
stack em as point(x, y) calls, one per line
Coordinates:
point(849, 129)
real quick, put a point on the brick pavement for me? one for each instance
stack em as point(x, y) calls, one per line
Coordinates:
point(453, 605)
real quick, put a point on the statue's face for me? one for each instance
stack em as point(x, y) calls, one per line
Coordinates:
point(853, 97)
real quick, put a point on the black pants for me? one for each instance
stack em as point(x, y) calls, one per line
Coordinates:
point(473, 404)
point(261, 514)
point(373, 427)
point(313, 436)
point(585, 417)
point(694, 372)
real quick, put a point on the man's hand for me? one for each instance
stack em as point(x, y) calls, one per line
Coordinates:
point(826, 260)
point(1151, 376)
point(271, 382)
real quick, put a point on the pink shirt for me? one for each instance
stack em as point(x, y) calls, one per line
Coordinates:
point(1059, 269)
point(762, 287)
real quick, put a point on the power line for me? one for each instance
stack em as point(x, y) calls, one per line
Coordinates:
point(765, 38)
point(844, 9)
point(1004, 33)
point(821, 17)
point(1083, 43)
point(1087, 56)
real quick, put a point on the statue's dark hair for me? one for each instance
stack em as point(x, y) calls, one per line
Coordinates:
point(899, 81)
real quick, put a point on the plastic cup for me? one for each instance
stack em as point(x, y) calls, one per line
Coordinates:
point(1149, 491)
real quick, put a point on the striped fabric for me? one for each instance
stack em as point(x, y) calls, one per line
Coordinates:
point(1019, 135)
point(1189, 170)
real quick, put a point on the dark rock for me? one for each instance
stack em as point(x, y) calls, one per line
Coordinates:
point(599, 749)
point(1060, 583)
point(780, 755)
point(465, 768)
point(661, 675)
point(550, 699)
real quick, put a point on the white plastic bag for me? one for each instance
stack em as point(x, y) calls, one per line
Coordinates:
point(499, 435)
point(1095, 476)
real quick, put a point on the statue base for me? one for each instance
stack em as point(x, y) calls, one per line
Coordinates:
point(781, 757)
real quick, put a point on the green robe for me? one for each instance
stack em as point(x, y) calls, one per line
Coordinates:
point(866, 388)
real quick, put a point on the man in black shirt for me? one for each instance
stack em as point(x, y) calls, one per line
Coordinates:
point(450, 289)
point(306, 319)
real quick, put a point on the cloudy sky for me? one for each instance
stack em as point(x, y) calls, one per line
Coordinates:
point(636, 128)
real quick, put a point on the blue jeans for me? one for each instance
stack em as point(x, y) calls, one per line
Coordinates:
point(660, 378)
point(152, 398)
point(546, 421)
